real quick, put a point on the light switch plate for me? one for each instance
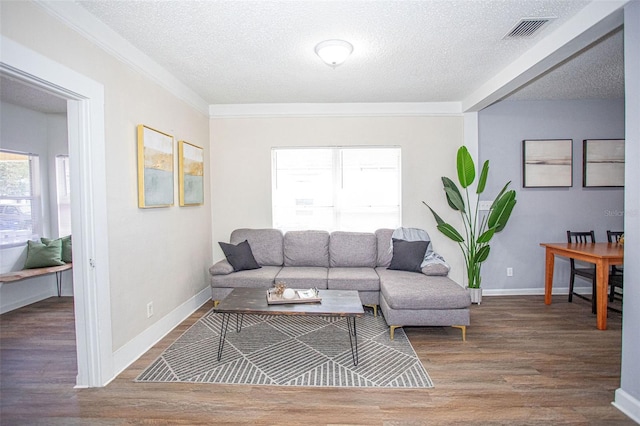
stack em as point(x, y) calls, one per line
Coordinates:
point(484, 205)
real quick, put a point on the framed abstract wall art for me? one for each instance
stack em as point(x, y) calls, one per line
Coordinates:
point(603, 163)
point(155, 168)
point(547, 163)
point(191, 174)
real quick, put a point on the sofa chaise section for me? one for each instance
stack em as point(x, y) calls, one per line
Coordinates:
point(416, 299)
point(411, 299)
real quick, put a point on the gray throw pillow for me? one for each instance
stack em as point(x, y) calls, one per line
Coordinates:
point(408, 255)
point(436, 269)
point(239, 256)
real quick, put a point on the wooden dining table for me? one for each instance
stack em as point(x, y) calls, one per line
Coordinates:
point(603, 255)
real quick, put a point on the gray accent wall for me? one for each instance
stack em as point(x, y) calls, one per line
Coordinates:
point(545, 214)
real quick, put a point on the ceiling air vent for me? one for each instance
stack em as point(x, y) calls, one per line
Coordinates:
point(527, 27)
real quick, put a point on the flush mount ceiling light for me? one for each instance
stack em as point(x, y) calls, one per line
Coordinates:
point(334, 52)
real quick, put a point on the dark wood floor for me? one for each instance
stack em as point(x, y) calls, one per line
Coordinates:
point(524, 363)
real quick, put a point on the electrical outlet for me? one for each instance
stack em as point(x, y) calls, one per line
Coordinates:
point(149, 309)
point(509, 272)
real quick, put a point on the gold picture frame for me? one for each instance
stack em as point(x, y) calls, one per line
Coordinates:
point(155, 168)
point(190, 174)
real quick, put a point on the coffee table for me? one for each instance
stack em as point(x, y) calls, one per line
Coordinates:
point(253, 301)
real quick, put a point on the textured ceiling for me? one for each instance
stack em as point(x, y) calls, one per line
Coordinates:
point(18, 93)
point(243, 52)
point(404, 51)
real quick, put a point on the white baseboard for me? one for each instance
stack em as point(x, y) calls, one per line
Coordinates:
point(627, 404)
point(134, 349)
point(526, 291)
point(42, 294)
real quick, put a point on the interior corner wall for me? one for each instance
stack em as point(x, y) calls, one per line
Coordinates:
point(157, 255)
point(545, 214)
point(241, 166)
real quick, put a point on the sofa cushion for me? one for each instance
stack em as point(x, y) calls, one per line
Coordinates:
point(239, 256)
point(306, 248)
point(407, 290)
point(266, 244)
point(408, 255)
point(253, 278)
point(353, 279)
point(303, 277)
point(384, 247)
point(352, 249)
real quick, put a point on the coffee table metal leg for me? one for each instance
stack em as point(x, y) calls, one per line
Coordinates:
point(353, 339)
point(223, 333)
point(239, 319)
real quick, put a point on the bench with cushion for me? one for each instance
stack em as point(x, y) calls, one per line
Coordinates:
point(44, 257)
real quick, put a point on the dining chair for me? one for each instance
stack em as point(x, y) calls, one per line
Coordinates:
point(580, 269)
point(616, 276)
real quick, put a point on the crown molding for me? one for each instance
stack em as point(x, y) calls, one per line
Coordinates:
point(397, 109)
point(87, 25)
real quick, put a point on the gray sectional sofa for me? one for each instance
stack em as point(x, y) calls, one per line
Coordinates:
point(348, 261)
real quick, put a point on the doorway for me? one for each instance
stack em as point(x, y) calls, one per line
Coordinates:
point(85, 122)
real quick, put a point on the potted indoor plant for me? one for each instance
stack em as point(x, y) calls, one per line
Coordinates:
point(478, 231)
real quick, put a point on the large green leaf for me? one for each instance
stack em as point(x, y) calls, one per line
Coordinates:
point(450, 232)
point(483, 178)
point(465, 166)
point(506, 214)
point(453, 188)
point(504, 188)
point(438, 219)
point(501, 210)
point(482, 254)
point(454, 198)
point(486, 236)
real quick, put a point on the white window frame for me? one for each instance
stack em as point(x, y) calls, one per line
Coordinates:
point(339, 209)
point(20, 237)
point(63, 195)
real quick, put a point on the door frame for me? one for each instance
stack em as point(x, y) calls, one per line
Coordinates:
point(85, 122)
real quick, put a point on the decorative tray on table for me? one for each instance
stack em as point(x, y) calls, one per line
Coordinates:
point(295, 296)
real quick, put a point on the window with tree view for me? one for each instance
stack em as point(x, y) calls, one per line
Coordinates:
point(336, 188)
point(19, 200)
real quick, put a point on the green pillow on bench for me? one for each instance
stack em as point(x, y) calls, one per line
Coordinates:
point(66, 247)
point(40, 255)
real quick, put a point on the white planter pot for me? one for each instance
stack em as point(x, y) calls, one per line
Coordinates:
point(476, 295)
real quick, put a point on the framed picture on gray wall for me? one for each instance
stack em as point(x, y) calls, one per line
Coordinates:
point(547, 163)
point(603, 163)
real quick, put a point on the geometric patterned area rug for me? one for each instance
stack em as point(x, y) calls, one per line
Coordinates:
point(291, 351)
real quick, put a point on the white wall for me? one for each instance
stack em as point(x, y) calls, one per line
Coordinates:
point(30, 131)
point(545, 214)
point(241, 166)
point(155, 255)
